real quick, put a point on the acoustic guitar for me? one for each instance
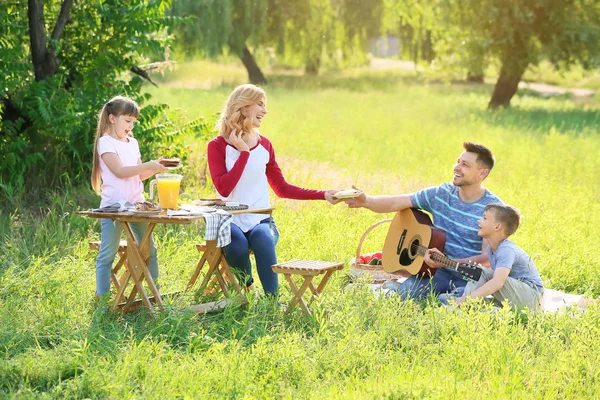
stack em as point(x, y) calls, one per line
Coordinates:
point(410, 235)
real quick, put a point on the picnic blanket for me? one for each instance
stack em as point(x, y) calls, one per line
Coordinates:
point(552, 300)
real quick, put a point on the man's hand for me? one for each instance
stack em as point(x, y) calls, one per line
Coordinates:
point(428, 258)
point(329, 196)
point(357, 202)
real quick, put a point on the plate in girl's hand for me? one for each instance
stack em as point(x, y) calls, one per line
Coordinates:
point(347, 194)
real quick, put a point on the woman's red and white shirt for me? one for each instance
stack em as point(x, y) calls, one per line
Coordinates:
point(244, 177)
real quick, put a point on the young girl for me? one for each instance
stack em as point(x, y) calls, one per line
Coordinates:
point(241, 163)
point(117, 163)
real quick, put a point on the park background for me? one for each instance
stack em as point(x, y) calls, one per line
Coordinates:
point(380, 94)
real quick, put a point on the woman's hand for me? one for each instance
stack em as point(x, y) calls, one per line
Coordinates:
point(329, 196)
point(235, 138)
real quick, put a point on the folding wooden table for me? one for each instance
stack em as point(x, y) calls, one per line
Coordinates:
point(138, 256)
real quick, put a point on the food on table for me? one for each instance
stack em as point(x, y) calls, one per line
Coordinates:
point(146, 206)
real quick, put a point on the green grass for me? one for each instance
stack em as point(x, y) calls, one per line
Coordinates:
point(385, 133)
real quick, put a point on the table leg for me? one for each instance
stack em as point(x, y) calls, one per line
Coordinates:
point(137, 264)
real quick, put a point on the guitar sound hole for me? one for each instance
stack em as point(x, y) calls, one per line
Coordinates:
point(414, 246)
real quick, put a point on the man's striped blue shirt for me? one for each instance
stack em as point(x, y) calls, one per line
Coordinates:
point(457, 218)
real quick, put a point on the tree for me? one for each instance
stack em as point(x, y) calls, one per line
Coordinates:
point(304, 31)
point(59, 62)
point(563, 31)
point(221, 26)
point(522, 33)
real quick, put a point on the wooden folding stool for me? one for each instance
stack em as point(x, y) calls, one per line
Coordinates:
point(218, 270)
point(308, 270)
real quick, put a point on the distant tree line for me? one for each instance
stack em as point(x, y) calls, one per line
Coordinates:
point(459, 34)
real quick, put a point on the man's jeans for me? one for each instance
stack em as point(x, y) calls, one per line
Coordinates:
point(418, 288)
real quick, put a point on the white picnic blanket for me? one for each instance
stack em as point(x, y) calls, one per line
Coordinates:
point(552, 300)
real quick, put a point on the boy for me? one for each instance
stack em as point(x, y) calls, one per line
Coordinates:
point(512, 275)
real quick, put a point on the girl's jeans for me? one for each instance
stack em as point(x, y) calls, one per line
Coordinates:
point(261, 240)
point(111, 236)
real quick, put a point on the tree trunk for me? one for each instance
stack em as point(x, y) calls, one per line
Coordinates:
point(43, 64)
point(312, 66)
point(474, 77)
point(44, 61)
point(506, 87)
point(254, 73)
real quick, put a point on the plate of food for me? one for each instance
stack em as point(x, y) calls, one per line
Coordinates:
point(171, 163)
point(146, 208)
point(348, 194)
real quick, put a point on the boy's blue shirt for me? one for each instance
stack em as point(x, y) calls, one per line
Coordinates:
point(509, 255)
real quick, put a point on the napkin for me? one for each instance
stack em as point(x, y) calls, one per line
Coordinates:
point(120, 206)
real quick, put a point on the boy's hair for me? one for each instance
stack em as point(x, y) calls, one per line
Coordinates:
point(484, 155)
point(507, 215)
point(116, 106)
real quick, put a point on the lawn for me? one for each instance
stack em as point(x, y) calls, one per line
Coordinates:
point(386, 132)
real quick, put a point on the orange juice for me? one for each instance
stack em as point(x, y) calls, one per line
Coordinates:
point(168, 193)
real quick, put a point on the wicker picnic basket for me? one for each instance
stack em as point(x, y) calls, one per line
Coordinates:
point(375, 271)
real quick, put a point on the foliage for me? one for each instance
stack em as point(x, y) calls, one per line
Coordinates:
point(345, 128)
point(303, 32)
point(466, 35)
point(47, 128)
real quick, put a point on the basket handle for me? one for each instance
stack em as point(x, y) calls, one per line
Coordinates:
point(362, 239)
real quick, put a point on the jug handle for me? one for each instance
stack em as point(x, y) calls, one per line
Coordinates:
point(153, 183)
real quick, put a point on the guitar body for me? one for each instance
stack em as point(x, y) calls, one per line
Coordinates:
point(409, 229)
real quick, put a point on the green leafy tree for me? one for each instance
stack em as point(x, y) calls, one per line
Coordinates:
point(221, 26)
point(59, 62)
point(524, 32)
point(300, 31)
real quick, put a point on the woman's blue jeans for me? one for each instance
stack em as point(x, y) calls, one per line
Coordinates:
point(111, 236)
point(261, 240)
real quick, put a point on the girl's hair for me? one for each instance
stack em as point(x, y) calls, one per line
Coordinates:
point(116, 106)
point(234, 114)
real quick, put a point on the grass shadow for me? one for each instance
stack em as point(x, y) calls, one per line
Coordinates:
point(542, 121)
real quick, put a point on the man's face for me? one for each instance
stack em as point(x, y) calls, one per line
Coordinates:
point(467, 170)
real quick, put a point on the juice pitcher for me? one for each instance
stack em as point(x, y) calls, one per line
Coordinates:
point(168, 189)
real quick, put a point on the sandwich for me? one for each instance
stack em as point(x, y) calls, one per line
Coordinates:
point(146, 206)
point(170, 162)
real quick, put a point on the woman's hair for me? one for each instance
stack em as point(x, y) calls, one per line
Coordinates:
point(116, 106)
point(234, 114)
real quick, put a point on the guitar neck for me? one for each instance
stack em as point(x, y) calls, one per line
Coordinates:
point(442, 259)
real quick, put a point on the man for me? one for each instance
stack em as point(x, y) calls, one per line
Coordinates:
point(456, 208)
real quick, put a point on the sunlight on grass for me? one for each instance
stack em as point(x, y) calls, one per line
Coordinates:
point(387, 133)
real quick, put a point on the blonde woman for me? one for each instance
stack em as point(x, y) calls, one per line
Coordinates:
point(242, 165)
